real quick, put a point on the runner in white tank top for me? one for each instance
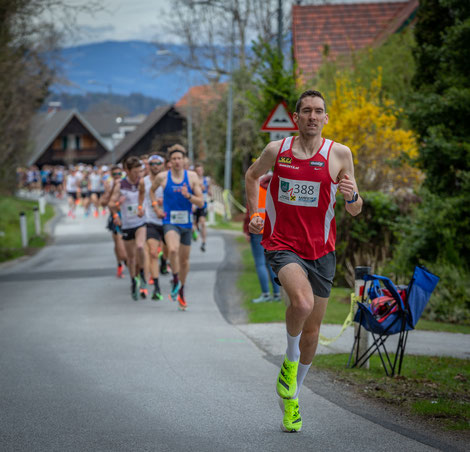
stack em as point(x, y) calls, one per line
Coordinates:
point(154, 225)
point(71, 186)
point(95, 190)
point(128, 195)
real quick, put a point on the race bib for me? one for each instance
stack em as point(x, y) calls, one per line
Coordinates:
point(299, 192)
point(131, 210)
point(179, 216)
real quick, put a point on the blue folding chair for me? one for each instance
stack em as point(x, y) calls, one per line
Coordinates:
point(406, 313)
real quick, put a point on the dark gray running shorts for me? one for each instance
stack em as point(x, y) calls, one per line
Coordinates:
point(185, 233)
point(129, 234)
point(155, 231)
point(319, 272)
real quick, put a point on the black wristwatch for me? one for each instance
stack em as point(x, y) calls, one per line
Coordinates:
point(354, 198)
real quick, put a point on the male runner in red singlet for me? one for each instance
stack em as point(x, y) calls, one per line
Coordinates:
point(300, 232)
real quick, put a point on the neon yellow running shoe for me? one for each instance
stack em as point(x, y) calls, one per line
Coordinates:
point(287, 379)
point(291, 422)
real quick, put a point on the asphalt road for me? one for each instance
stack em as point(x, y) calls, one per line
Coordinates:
point(83, 367)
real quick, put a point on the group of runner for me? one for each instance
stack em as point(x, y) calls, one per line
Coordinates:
point(153, 201)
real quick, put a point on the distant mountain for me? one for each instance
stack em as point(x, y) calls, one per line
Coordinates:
point(118, 104)
point(123, 67)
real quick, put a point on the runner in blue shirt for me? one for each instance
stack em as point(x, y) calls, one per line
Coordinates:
point(181, 189)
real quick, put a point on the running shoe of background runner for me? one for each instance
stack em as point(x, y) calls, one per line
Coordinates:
point(164, 269)
point(292, 421)
point(157, 296)
point(143, 292)
point(286, 384)
point(120, 271)
point(203, 247)
point(182, 305)
point(135, 288)
point(174, 290)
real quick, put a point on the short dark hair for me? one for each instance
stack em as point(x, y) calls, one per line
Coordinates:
point(132, 162)
point(176, 148)
point(309, 93)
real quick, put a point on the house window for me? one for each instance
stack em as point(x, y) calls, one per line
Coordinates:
point(65, 140)
point(78, 141)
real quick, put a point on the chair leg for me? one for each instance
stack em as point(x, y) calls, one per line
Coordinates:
point(356, 344)
point(402, 353)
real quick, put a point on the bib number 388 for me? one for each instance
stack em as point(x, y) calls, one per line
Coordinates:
point(298, 192)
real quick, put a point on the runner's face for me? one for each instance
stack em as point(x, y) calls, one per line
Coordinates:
point(312, 116)
point(199, 171)
point(177, 161)
point(155, 167)
point(134, 173)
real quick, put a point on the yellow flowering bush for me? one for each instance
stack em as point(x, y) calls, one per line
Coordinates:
point(370, 127)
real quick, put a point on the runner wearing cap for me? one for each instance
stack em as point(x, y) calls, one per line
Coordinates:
point(154, 218)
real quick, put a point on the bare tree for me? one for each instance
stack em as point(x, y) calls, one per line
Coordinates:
point(28, 57)
point(208, 29)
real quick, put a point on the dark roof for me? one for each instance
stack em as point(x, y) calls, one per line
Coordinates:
point(134, 137)
point(104, 123)
point(344, 28)
point(47, 126)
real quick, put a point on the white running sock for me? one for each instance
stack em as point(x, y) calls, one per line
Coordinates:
point(301, 374)
point(293, 350)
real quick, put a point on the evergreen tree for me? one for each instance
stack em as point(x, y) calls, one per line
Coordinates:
point(438, 234)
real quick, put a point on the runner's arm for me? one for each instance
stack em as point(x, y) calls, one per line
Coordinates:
point(155, 184)
point(114, 204)
point(196, 197)
point(114, 198)
point(262, 164)
point(140, 208)
point(347, 183)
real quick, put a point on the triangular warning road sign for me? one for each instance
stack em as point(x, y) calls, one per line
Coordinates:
point(279, 119)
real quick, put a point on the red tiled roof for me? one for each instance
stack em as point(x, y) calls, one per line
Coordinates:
point(202, 96)
point(343, 28)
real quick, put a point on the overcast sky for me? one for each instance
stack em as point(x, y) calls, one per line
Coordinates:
point(124, 20)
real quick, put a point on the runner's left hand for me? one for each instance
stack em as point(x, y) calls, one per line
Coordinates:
point(346, 187)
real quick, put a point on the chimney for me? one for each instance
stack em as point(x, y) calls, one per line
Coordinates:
point(52, 107)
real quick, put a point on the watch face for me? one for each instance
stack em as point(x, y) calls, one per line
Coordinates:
point(355, 196)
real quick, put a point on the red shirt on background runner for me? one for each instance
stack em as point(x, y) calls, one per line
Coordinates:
point(300, 204)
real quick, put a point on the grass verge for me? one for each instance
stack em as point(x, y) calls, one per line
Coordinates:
point(434, 388)
point(338, 305)
point(221, 223)
point(10, 239)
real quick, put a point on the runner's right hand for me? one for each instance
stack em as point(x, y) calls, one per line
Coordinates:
point(256, 225)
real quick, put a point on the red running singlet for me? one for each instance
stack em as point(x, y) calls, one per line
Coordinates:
point(300, 204)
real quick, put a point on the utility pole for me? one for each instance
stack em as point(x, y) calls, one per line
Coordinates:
point(279, 27)
point(190, 128)
point(228, 147)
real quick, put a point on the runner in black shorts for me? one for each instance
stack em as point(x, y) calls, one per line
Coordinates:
point(154, 214)
point(119, 250)
point(299, 234)
point(200, 213)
